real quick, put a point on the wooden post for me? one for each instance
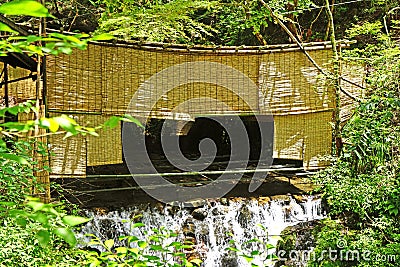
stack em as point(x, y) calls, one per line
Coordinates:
point(42, 176)
point(336, 82)
point(6, 97)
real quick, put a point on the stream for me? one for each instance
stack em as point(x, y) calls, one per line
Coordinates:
point(211, 224)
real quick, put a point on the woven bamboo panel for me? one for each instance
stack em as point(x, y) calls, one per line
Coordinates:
point(74, 81)
point(306, 137)
point(201, 98)
point(289, 137)
point(107, 147)
point(105, 78)
point(39, 153)
point(291, 84)
point(317, 139)
point(125, 70)
point(67, 156)
point(19, 91)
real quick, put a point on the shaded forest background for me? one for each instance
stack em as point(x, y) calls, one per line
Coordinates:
point(222, 22)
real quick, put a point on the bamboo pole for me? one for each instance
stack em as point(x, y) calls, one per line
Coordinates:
point(42, 176)
point(336, 82)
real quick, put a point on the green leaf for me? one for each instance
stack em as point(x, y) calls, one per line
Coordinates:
point(12, 157)
point(43, 237)
point(103, 37)
point(25, 8)
point(112, 122)
point(109, 244)
point(40, 217)
point(269, 246)
point(129, 118)
point(21, 221)
point(74, 220)
point(248, 258)
point(255, 252)
point(66, 234)
point(35, 205)
point(156, 247)
point(6, 28)
point(196, 261)
point(138, 224)
point(66, 123)
point(142, 244)
point(121, 250)
point(66, 50)
point(150, 257)
point(49, 123)
point(3, 143)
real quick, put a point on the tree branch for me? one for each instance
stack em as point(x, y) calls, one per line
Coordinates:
point(291, 35)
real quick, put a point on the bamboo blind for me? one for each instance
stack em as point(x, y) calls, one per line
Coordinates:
point(19, 91)
point(102, 80)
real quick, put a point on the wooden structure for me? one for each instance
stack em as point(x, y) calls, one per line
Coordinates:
point(92, 85)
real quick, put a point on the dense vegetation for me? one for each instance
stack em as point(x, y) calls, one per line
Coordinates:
point(361, 188)
point(219, 22)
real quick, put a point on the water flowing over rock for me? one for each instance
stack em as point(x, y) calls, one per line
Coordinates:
point(209, 224)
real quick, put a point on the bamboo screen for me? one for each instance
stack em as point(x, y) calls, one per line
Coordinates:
point(19, 91)
point(99, 82)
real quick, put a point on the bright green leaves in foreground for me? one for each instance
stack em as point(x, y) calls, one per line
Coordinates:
point(49, 219)
point(158, 248)
point(55, 43)
point(263, 255)
point(25, 8)
point(56, 125)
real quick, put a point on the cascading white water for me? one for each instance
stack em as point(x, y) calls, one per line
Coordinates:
point(240, 217)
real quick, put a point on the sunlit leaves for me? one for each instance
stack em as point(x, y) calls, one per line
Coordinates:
point(74, 220)
point(6, 28)
point(66, 234)
point(24, 8)
point(103, 37)
point(13, 157)
point(155, 249)
point(108, 244)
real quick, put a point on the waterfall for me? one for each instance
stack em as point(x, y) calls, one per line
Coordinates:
point(209, 224)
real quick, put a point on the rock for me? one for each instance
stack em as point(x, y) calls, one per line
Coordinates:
point(195, 203)
point(224, 201)
point(264, 200)
point(159, 207)
point(285, 198)
point(171, 209)
point(200, 214)
point(188, 228)
point(299, 238)
point(219, 210)
point(300, 198)
point(101, 211)
point(244, 216)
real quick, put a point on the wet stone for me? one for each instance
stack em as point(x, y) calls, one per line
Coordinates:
point(195, 203)
point(224, 201)
point(200, 214)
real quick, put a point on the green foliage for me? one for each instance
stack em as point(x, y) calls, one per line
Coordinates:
point(55, 43)
point(362, 187)
point(255, 251)
point(200, 22)
point(36, 234)
point(159, 248)
point(24, 8)
point(171, 22)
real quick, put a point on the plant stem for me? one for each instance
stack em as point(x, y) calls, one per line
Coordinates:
point(336, 81)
